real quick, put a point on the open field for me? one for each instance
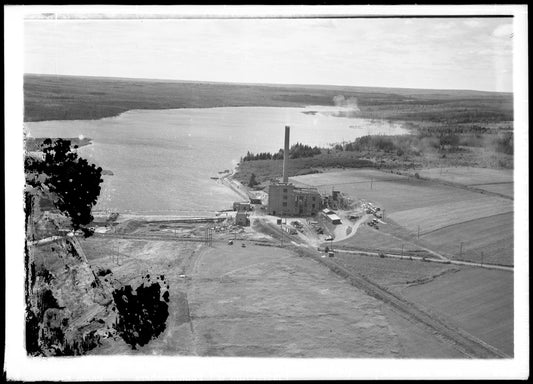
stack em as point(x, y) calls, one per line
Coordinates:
point(492, 180)
point(447, 214)
point(439, 216)
point(336, 177)
point(475, 299)
point(260, 301)
point(469, 175)
point(390, 191)
point(491, 235)
point(49, 97)
point(369, 239)
point(478, 300)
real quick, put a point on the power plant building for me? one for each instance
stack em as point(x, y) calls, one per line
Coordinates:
point(284, 199)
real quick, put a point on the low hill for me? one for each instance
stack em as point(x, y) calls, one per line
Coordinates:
point(51, 97)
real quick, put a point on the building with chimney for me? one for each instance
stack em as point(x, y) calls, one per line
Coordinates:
point(284, 199)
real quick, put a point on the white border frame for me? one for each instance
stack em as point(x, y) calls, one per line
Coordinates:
point(19, 367)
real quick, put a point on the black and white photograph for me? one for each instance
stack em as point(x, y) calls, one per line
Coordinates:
point(266, 192)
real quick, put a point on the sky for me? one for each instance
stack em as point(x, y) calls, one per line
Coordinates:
point(436, 53)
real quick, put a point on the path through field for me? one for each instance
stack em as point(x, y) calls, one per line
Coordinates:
point(262, 301)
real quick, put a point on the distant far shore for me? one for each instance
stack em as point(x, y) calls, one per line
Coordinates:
point(52, 97)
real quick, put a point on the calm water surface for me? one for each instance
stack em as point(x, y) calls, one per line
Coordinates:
point(162, 160)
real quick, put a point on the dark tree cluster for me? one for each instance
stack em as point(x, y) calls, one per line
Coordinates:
point(260, 156)
point(142, 315)
point(298, 150)
point(73, 183)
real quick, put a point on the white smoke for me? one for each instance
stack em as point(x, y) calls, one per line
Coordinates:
point(346, 107)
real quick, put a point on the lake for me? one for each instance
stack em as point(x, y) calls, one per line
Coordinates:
point(163, 160)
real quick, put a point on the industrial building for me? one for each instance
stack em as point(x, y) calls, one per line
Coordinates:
point(284, 199)
point(242, 206)
point(331, 216)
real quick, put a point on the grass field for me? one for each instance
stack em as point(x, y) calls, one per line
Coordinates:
point(371, 240)
point(491, 235)
point(361, 176)
point(506, 189)
point(492, 180)
point(447, 214)
point(259, 302)
point(390, 191)
point(469, 175)
point(479, 301)
point(437, 216)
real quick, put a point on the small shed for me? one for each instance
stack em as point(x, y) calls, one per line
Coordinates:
point(334, 219)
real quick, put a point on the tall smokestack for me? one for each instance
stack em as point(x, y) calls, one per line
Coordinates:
point(286, 155)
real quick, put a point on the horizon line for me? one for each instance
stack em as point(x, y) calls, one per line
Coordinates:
point(268, 84)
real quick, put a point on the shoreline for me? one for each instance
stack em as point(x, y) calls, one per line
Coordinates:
point(225, 180)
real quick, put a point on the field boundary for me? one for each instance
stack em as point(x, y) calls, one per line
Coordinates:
point(464, 222)
point(495, 183)
point(430, 260)
point(470, 188)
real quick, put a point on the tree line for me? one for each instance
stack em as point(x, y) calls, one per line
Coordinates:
point(296, 151)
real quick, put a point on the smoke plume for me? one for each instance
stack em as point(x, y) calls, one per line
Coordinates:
point(347, 107)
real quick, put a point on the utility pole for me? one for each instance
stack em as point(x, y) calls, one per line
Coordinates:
point(461, 250)
point(208, 236)
point(282, 234)
point(371, 181)
point(402, 250)
point(418, 236)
